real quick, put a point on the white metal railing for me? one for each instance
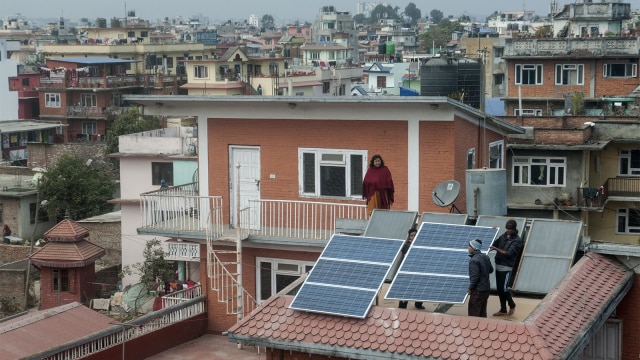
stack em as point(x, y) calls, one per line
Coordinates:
point(178, 297)
point(180, 208)
point(181, 251)
point(121, 333)
point(297, 219)
point(225, 283)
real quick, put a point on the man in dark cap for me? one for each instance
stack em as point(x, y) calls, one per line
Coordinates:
point(479, 288)
point(508, 248)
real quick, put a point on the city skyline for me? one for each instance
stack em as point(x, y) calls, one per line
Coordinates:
point(283, 11)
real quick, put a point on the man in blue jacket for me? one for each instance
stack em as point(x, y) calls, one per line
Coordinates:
point(479, 285)
point(508, 248)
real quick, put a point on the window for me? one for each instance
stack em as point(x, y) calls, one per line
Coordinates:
point(569, 74)
point(498, 52)
point(496, 150)
point(274, 69)
point(606, 343)
point(528, 74)
point(527, 112)
point(25, 82)
point(629, 162)
point(169, 62)
point(381, 82)
point(116, 99)
point(89, 127)
point(144, 33)
point(326, 86)
point(200, 72)
point(276, 274)
point(52, 100)
point(314, 55)
point(161, 171)
point(471, 159)
point(60, 280)
point(329, 172)
point(619, 70)
point(628, 221)
point(498, 79)
point(539, 171)
point(89, 100)
point(42, 214)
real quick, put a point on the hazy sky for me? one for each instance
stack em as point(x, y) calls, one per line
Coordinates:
point(219, 10)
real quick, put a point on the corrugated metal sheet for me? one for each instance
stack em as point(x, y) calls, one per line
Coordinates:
point(499, 222)
point(549, 251)
point(444, 218)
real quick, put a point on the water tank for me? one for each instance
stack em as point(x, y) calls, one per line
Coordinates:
point(382, 49)
point(469, 81)
point(439, 77)
point(391, 48)
point(486, 191)
point(101, 23)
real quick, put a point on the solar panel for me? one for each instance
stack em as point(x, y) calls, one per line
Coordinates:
point(347, 276)
point(436, 266)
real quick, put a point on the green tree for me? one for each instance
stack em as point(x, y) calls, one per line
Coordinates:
point(439, 35)
point(360, 19)
point(130, 122)
point(384, 12)
point(413, 13)
point(77, 187)
point(436, 16)
point(267, 22)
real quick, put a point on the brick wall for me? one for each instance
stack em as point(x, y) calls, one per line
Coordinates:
point(108, 236)
point(45, 155)
point(628, 312)
point(12, 282)
point(11, 253)
point(81, 288)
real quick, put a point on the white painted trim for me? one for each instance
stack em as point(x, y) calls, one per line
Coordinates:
point(413, 165)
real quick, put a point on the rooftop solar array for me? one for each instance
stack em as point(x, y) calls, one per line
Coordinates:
point(347, 276)
point(436, 266)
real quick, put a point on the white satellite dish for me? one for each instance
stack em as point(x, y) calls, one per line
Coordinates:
point(446, 193)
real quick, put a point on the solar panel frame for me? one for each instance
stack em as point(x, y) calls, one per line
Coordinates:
point(436, 268)
point(346, 282)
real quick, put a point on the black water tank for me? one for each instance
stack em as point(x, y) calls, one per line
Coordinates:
point(439, 77)
point(470, 81)
point(382, 49)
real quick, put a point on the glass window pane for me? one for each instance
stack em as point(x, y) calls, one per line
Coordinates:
point(332, 181)
point(356, 175)
point(282, 281)
point(288, 267)
point(309, 172)
point(265, 280)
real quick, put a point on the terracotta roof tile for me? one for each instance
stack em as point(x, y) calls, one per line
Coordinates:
point(66, 231)
point(547, 333)
point(67, 254)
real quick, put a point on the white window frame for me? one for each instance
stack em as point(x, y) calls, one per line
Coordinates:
point(471, 158)
point(563, 76)
point(52, 100)
point(497, 163)
point(278, 268)
point(527, 112)
point(607, 68)
point(606, 343)
point(89, 100)
point(623, 216)
point(321, 159)
point(89, 127)
point(555, 174)
point(625, 157)
point(520, 69)
point(200, 72)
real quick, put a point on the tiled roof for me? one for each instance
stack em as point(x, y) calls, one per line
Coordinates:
point(34, 333)
point(67, 254)
point(66, 231)
point(548, 333)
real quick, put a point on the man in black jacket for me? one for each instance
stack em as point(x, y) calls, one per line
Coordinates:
point(479, 286)
point(508, 248)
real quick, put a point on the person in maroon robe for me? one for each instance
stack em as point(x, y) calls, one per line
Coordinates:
point(377, 187)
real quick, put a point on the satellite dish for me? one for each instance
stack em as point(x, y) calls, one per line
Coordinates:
point(446, 193)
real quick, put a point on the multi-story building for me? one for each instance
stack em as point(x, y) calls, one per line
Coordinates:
point(332, 26)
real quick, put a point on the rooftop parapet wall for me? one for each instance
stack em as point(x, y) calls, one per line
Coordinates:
point(572, 47)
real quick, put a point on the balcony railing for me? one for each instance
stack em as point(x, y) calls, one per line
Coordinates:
point(181, 251)
point(181, 209)
point(618, 186)
point(181, 296)
point(118, 334)
point(296, 219)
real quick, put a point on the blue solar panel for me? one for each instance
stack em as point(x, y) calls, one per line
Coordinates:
point(437, 261)
point(423, 287)
point(453, 236)
point(357, 275)
point(347, 276)
point(334, 300)
point(361, 249)
point(436, 268)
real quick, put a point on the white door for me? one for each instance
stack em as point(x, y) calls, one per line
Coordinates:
point(246, 178)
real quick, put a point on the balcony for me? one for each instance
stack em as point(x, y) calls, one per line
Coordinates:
point(89, 82)
point(180, 212)
point(614, 189)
